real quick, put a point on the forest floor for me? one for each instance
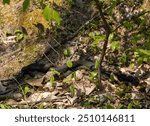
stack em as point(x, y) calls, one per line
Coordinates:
point(64, 74)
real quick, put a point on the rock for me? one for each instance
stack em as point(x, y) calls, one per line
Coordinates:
point(16, 54)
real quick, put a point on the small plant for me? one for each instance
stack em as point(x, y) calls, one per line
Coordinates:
point(41, 105)
point(26, 90)
point(108, 106)
point(67, 80)
point(19, 34)
point(50, 14)
point(96, 64)
point(115, 45)
point(4, 106)
point(69, 63)
point(67, 52)
point(113, 78)
point(93, 75)
point(55, 72)
point(142, 55)
point(52, 79)
point(72, 89)
point(134, 104)
point(96, 38)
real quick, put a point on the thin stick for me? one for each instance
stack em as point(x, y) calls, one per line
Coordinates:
point(25, 98)
point(108, 31)
point(48, 59)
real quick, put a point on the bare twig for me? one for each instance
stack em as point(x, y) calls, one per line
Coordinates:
point(82, 27)
point(48, 59)
point(53, 49)
point(108, 31)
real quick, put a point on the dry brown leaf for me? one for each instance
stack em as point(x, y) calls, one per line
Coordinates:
point(41, 96)
point(35, 82)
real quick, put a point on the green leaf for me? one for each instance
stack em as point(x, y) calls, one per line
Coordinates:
point(69, 63)
point(96, 64)
point(137, 37)
point(6, 1)
point(115, 45)
point(123, 58)
point(128, 25)
point(50, 14)
point(18, 31)
point(41, 106)
point(52, 79)
point(75, 75)
point(26, 90)
point(96, 37)
point(140, 60)
point(144, 51)
point(67, 52)
point(110, 97)
point(129, 106)
point(93, 75)
point(112, 6)
point(47, 13)
point(143, 20)
point(26, 4)
point(56, 17)
point(56, 72)
point(111, 36)
point(72, 89)
point(142, 55)
point(108, 106)
point(19, 35)
point(112, 77)
point(3, 106)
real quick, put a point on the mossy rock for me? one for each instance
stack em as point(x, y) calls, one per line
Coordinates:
point(18, 54)
point(15, 56)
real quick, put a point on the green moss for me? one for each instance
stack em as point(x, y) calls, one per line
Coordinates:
point(29, 20)
point(28, 55)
